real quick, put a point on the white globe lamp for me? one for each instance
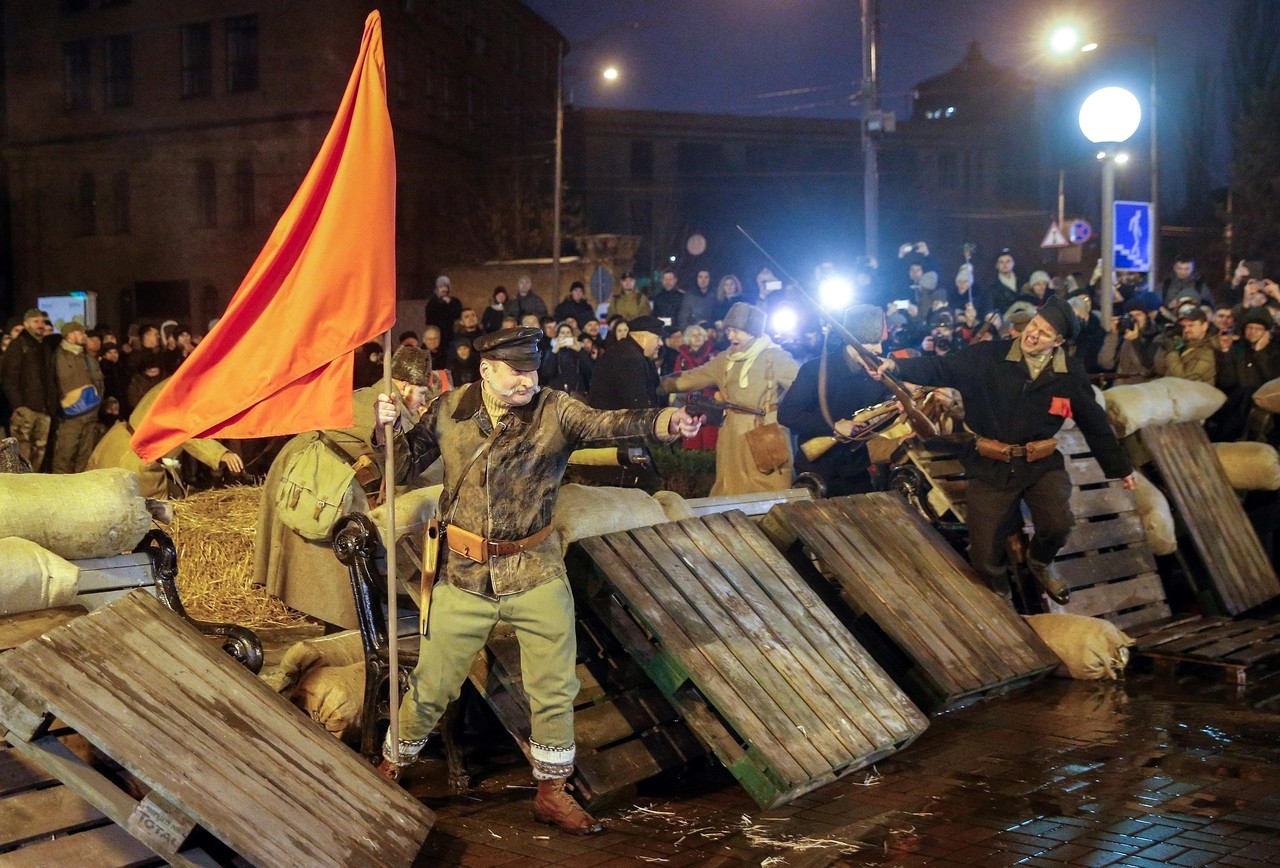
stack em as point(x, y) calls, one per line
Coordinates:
point(1110, 115)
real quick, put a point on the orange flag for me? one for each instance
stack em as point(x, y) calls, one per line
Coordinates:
point(280, 359)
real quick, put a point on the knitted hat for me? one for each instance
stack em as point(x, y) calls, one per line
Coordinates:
point(745, 317)
point(1059, 314)
point(412, 365)
point(71, 328)
point(1038, 277)
point(1258, 316)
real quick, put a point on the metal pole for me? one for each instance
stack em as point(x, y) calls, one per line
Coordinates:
point(557, 197)
point(870, 106)
point(1062, 197)
point(1155, 175)
point(389, 539)
point(1107, 281)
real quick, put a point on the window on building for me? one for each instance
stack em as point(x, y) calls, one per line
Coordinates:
point(120, 223)
point(242, 53)
point(197, 59)
point(244, 195)
point(86, 204)
point(119, 71)
point(206, 195)
point(948, 170)
point(642, 159)
point(699, 159)
point(76, 74)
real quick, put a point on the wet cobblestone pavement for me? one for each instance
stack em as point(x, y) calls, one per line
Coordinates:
point(1138, 773)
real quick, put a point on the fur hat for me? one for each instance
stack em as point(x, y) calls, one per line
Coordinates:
point(865, 322)
point(745, 317)
point(1038, 276)
point(1059, 314)
point(412, 365)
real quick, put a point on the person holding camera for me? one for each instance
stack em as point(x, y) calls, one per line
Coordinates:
point(1250, 362)
point(566, 367)
point(1131, 345)
point(1193, 355)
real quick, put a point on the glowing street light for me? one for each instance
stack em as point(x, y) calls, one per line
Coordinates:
point(784, 322)
point(610, 73)
point(1064, 40)
point(1109, 117)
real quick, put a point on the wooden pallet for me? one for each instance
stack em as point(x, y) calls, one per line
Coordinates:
point(939, 460)
point(213, 744)
point(44, 823)
point(626, 730)
point(1106, 560)
point(756, 664)
point(960, 640)
point(1240, 574)
point(1232, 646)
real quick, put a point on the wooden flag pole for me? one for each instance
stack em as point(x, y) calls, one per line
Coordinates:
point(389, 540)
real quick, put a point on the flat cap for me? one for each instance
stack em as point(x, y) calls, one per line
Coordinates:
point(646, 323)
point(1058, 314)
point(518, 347)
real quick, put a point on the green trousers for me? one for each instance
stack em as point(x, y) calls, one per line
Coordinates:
point(460, 625)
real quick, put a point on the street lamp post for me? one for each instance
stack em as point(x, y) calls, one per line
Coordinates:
point(1067, 39)
point(1109, 117)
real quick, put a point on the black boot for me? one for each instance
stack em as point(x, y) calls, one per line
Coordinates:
point(1052, 585)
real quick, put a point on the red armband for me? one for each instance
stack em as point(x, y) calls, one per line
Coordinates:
point(1060, 407)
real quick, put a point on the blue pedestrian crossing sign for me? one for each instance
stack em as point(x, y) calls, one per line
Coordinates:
point(1132, 236)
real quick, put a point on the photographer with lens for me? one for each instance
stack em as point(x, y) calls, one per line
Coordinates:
point(1131, 345)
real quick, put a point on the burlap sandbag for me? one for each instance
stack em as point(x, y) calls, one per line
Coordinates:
point(1267, 396)
point(1090, 649)
point(95, 514)
point(1158, 402)
point(414, 509)
point(1157, 517)
point(333, 696)
point(339, 649)
point(1250, 466)
point(674, 506)
point(584, 511)
point(33, 578)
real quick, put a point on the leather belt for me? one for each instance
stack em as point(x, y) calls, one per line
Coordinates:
point(997, 450)
point(767, 409)
point(476, 548)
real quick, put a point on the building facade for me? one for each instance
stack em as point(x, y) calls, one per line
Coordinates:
point(152, 145)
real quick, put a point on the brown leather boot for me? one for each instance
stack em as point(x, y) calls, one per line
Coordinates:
point(388, 770)
point(555, 807)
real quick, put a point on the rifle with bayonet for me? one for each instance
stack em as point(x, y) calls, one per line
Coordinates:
point(919, 422)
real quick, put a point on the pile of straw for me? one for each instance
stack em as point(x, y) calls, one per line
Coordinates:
point(214, 533)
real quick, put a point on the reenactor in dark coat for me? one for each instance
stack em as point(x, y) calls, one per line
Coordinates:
point(1016, 397)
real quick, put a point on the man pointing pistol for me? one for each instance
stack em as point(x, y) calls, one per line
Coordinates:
point(1017, 394)
point(505, 445)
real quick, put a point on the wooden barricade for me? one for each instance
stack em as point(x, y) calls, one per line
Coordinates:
point(1239, 571)
point(626, 731)
point(214, 746)
point(756, 503)
point(960, 640)
point(756, 664)
point(939, 461)
point(1106, 560)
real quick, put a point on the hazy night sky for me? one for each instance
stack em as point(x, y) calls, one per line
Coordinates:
point(722, 56)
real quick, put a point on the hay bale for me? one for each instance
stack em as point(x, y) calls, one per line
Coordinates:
point(32, 577)
point(1250, 466)
point(214, 532)
point(1157, 517)
point(95, 514)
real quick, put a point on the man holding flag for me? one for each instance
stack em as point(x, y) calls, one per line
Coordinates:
point(505, 445)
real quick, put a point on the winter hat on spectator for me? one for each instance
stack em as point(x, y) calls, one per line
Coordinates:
point(865, 322)
point(965, 273)
point(1259, 315)
point(745, 317)
point(647, 323)
point(1038, 276)
point(1192, 312)
point(412, 365)
point(71, 328)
